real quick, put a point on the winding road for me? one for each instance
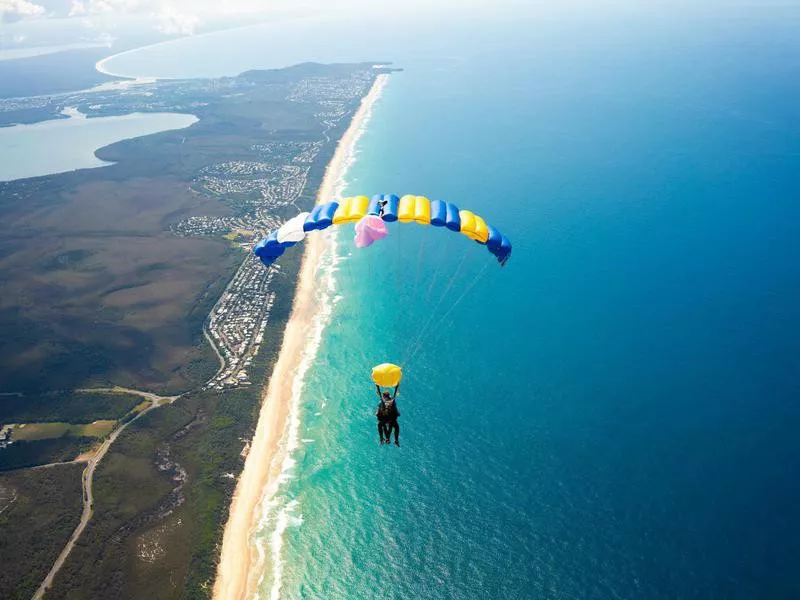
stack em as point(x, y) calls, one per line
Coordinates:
point(88, 475)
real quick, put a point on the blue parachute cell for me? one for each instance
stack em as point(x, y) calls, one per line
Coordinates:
point(374, 207)
point(452, 218)
point(311, 219)
point(269, 246)
point(438, 213)
point(390, 210)
point(326, 215)
point(504, 252)
point(495, 238)
point(321, 217)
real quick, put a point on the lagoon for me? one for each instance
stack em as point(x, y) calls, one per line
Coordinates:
point(61, 145)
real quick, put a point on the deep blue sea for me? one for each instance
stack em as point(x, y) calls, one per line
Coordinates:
point(615, 413)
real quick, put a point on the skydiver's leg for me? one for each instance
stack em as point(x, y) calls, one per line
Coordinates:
point(387, 431)
point(396, 426)
point(382, 431)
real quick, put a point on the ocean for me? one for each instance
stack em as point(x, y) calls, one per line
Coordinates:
point(614, 414)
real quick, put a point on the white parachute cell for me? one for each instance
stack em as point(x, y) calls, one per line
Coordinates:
point(292, 230)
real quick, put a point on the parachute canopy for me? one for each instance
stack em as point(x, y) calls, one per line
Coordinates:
point(417, 209)
point(387, 375)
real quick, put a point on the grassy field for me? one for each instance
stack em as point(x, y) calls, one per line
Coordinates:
point(42, 431)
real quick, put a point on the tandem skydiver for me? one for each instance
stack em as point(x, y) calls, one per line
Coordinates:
point(387, 414)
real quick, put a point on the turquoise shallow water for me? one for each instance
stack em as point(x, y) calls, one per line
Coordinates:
point(614, 414)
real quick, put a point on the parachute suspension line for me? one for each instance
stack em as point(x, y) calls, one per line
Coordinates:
point(417, 290)
point(405, 317)
point(446, 251)
point(442, 326)
point(419, 264)
point(445, 329)
point(421, 336)
point(398, 281)
point(346, 256)
point(369, 271)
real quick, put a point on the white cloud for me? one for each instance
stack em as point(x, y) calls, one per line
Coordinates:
point(77, 8)
point(172, 22)
point(16, 10)
point(172, 17)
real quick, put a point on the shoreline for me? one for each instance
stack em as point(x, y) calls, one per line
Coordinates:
point(235, 576)
point(100, 64)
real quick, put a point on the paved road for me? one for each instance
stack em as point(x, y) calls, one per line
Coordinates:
point(88, 474)
point(216, 351)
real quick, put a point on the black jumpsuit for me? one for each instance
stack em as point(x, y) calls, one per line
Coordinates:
point(391, 423)
point(388, 421)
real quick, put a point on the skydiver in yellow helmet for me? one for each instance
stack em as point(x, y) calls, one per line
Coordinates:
point(387, 415)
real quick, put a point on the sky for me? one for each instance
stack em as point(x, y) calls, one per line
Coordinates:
point(181, 17)
point(45, 22)
point(185, 17)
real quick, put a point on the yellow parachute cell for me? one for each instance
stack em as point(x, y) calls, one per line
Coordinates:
point(422, 211)
point(351, 210)
point(387, 375)
point(481, 230)
point(467, 223)
point(407, 209)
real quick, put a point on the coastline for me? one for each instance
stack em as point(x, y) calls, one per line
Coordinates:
point(236, 577)
point(101, 68)
point(100, 64)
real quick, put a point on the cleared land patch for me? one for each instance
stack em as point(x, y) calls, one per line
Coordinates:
point(42, 431)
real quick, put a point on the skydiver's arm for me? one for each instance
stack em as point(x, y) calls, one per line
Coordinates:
point(378, 390)
point(397, 387)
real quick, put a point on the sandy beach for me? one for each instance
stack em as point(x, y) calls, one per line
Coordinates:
point(236, 576)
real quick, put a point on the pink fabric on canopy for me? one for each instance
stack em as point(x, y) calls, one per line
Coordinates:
point(370, 229)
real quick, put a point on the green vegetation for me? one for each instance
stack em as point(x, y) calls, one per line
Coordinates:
point(66, 407)
point(39, 510)
point(131, 548)
point(41, 452)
